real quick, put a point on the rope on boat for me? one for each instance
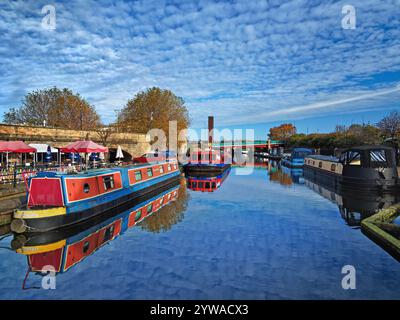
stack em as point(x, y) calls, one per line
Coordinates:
point(25, 279)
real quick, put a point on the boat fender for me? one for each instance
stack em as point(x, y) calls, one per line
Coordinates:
point(18, 226)
point(18, 242)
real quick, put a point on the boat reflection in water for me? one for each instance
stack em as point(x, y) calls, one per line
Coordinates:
point(354, 206)
point(206, 182)
point(284, 175)
point(65, 248)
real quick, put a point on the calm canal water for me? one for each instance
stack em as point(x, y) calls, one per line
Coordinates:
point(268, 235)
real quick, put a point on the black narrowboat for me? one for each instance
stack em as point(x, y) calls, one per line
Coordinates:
point(370, 168)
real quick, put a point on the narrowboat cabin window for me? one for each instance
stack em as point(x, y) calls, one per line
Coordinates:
point(86, 188)
point(378, 159)
point(108, 182)
point(204, 157)
point(150, 208)
point(169, 167)
point(207, 185)
point(86, 246)
point(333, 167)
point(354, 158)
point(138, 214)
point(161, 169)
point(194, 185)
point(194, 157)
point(150, 172)
point(138, 175)
point(108, 234)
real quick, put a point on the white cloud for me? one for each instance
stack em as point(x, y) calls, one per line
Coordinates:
point(241, 61)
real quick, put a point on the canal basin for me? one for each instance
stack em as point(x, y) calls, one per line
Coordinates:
point(253, 238)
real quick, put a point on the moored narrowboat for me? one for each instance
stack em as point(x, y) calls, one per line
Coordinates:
point(368, 168)
point(58, 199)
point(63, 249)
point(296, 158)
point(206, 161)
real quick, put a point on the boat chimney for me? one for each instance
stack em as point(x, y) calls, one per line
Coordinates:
point(210, 130)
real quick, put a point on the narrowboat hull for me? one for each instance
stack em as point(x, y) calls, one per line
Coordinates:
point(193, 169)
point(366, 182)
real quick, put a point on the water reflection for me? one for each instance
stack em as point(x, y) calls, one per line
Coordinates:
point(284, 175)
point(170, 215)
point(206, 182)
point(65, 248)
point(354, 206)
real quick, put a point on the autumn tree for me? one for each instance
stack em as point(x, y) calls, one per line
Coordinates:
point(71, 111)
point(282, 132)
point(56, 108)
point(153, 109)
point(390, 125)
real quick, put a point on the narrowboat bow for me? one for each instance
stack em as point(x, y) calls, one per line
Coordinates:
point(56, 199)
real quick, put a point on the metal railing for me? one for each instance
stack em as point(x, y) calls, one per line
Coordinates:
point(18, 174)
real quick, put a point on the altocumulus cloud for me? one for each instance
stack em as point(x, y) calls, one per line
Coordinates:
point(243, 61)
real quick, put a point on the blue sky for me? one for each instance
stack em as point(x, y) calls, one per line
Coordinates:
point(251, 64)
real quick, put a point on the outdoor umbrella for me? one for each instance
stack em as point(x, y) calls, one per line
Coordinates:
point(120, 154)
point(84, 147)
point(15, 147)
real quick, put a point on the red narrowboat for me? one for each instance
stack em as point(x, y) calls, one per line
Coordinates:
point(59, 199)
point(206, 161)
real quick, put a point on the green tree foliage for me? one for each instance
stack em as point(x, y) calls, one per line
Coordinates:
point(342, 137)
point(58, 108)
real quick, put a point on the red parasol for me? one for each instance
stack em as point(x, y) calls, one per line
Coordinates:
point(84, 147)
point(16, 147)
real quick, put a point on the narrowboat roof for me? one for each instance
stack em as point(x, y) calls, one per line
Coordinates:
point(302, 149)
point(325, 158)
point(205, 152)
point(373, 147)
point(96, 172)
